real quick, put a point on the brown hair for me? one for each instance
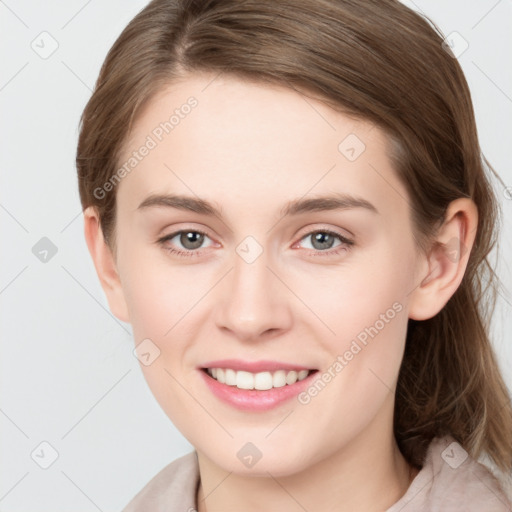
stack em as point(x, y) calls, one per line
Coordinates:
point(376, 60)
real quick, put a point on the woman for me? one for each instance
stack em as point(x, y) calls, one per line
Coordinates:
point(287, 201)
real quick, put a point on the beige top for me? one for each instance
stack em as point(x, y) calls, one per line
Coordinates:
point(449, 481)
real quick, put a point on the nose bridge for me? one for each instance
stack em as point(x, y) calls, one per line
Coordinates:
point(252, 302)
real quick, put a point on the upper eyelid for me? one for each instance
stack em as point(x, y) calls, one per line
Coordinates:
point(322, 227)
point(170, 236)
point(332, 231)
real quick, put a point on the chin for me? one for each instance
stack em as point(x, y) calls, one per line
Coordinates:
point(278, 463)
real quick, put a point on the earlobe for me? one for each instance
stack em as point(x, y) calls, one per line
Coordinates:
point(446, 262)
point(104, 264)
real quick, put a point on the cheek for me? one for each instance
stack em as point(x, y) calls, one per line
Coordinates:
point(161, 301)
point(165, 302)
point(361, 297)
point(373, 355)
point(159, 295)
point(366, 308)
point(360, 376)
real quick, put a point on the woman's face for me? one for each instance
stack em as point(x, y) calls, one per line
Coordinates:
point(280, 280)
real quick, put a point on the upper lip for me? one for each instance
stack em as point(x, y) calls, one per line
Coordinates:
point(254, 366)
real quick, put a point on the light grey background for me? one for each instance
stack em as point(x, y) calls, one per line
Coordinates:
point(68, 375)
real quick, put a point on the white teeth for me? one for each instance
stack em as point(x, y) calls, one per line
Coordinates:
point(244, 380)
point(260, 381)
point(302, 374)
point(279, 379)
point(291, 377)
point(230, 377)
point(263, 381)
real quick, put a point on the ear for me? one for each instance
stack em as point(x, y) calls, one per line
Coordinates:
point(105, 264)
point(446, 261)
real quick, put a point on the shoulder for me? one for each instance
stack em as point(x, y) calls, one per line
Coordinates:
point(171, 489)
point(450, 480)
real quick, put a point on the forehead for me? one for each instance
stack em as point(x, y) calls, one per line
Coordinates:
point(210, 133)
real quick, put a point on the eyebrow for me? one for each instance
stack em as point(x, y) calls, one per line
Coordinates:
point(335, 201)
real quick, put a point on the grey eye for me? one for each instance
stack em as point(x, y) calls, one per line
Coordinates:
point(191, 240)
point(322, 240)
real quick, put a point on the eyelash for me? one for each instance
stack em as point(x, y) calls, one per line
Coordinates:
point(344, 246)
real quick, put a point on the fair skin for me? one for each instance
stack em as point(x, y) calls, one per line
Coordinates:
point(250, 149)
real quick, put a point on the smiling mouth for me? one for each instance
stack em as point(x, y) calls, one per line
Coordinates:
point(260, 381)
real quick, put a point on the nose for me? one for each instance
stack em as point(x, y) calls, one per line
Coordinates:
point(253, 304)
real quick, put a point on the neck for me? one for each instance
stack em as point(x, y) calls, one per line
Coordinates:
point(368, 474)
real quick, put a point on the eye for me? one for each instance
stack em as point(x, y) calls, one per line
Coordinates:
point(324, 239)
point(190, 239)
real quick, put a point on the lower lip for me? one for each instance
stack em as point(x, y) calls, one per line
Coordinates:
point(252, 399)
